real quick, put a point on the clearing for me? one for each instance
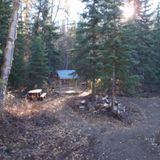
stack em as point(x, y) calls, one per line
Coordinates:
point(52, 130)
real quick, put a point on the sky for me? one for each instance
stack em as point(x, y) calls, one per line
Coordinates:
point(155, 3)
point(75, 7)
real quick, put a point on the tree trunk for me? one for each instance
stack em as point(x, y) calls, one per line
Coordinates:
point(8, 52)
point(113, 84)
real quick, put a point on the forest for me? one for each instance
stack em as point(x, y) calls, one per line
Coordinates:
point(127, 48)
point(114, 46)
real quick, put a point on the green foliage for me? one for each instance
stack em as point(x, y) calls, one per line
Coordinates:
point(89, 56)
point(5, 11)
point(103, 42)
point(156, 49)
point(118, 50)
point(144, 47)
point(1, 82)
point(44, 28)
point(53, 55)
point(17, 76)
point(38, 70)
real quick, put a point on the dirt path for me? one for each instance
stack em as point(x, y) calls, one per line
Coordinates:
point(56, 132)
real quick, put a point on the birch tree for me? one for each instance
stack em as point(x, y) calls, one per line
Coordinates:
point(9, 50)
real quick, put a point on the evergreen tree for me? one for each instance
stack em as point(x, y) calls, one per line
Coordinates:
point(156, 49)
point(89, 56)
point(113, 46)
point(17, 76)
point(53, 54)
point(44, 27)
point(118, 40)
point(38, 70)
point(144, 45)
point(5, 12)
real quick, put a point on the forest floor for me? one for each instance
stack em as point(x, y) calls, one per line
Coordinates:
point(52, 130)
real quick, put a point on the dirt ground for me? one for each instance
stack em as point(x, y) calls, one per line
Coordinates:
point(52, 130)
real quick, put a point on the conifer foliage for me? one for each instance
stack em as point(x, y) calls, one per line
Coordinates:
point(38, 69)
point(112, 54)
point(89, 57)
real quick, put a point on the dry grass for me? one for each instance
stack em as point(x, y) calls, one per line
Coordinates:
point(21, 108)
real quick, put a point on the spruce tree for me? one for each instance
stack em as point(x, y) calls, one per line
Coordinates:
point(53, 54)
point(144, 46)
point(112, 41)
point(5, 11)
point(89, 56)
point(118, 49)
point(38, 70)
point(44, 27)
point(156, 49)
point(17, 77)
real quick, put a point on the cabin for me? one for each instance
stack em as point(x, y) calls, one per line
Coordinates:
point(66, 81)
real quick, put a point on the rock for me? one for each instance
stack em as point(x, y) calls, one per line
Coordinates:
point(82, 107)
point(83, 102)
point(116, 103)
point(106, 105)
point(115, 108)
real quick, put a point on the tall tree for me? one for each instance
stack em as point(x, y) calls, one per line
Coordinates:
point(156, 48)
point(5, 11)
point(44, 28)
point(89, 57)
point(38, 70)
point(113, 46)
point(17, 77)
point(144, 45)
point(9, 50)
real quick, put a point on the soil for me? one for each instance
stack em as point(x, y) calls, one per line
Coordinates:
point(53, 130)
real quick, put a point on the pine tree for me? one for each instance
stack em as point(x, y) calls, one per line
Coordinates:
point(38, 70)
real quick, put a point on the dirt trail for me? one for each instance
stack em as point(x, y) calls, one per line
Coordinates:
point(57, 132)
point(114, 140)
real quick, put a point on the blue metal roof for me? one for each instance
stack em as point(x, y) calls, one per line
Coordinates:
point(67, 74)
